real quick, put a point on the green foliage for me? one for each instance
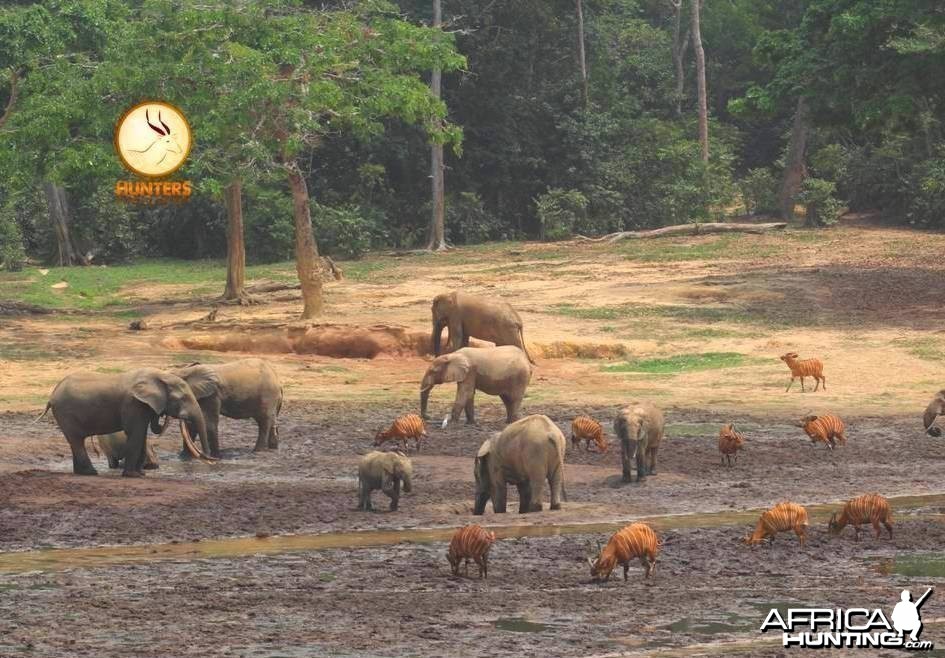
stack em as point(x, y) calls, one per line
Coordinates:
point(346, 231)
point(823, 207)
point(12, 253)
point(560, 212)
point(468, 222)
point(759, 188)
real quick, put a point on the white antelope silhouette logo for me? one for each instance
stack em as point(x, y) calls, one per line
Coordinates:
point(157, 151)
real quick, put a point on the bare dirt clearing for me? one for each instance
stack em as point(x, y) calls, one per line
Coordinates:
point(695, 325)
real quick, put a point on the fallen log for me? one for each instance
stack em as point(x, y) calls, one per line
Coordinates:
point(9, 307)
point(686, 229)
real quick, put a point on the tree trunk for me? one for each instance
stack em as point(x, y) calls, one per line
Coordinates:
point(795, 171)
point(437, 230)
point(235, 245)
point(306, 251)
point(700, 80)
point(58, 206)
point(680, 46)
point(582, 55)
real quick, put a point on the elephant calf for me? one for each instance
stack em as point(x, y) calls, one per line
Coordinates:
point(526, 453)
point(639, 426)
point(385, 471)
point(115, 448)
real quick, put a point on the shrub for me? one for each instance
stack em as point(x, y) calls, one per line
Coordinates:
point(818, 197)
point(347, 231)
point(759, 190)
point(559, 212)
point(468, 222)
point(927, 204)
point(12, 253)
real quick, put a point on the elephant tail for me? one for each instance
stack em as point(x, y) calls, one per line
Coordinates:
point(521, 337)
point(45, 411)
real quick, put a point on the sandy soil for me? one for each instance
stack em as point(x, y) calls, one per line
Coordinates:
point(866, 300)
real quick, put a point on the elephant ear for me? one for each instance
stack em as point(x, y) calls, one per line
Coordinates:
point(484, 449)
point(150, 389)
point(203, 381)
point(456, 369)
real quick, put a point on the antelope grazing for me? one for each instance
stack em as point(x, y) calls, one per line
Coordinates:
point(868, 508)
point(780, 518)
point(827, 429)
point(588, 429)
point(806, 368)
point(730, 442)
point(635, 540)
point(409, 426)
point(163, 145)
point(471, 542)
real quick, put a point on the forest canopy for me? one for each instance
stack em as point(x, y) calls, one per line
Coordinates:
point(559, 117)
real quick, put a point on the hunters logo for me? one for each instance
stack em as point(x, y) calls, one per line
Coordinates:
point(816, 628)
point(153, 140)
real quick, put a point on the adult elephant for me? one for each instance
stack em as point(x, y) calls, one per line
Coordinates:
point(526, 453)
point(473, 316)
point(87, 404)
point(249, 388)
point(503, 371)
point(640, 427)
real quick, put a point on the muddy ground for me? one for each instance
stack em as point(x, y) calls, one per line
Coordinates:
point(709, 590)
point(865, 299)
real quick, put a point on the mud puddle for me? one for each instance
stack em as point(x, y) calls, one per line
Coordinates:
point(68, 558)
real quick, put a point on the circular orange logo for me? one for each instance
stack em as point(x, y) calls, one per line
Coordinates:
point(153, 139)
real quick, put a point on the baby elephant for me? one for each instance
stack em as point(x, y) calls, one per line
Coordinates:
point(385, 471)
point(114, 447)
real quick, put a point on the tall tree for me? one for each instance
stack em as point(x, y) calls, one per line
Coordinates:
point(680, 46)
point(235, 290)
point(795, 168)
point(700, 79)
point(437, 220)
point(582, 55)
point(60, 218)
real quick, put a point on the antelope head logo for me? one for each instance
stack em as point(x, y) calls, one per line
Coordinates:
point(162, 145)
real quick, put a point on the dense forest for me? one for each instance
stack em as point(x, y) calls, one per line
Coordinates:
point(556, 117)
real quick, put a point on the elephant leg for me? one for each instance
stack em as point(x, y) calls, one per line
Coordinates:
point(625, 458)
point(136, 429)
point(556, 484)
point(536, 491)
point(499, 495)
point(652, 461)
point(512, 407)
point(262, 439)
point(524, 497)
point(465, 396)
point(150, 459)
point(394, 494)
point(274, 436)
point(211, 414)
point(471, 409)
point(81, 464)
point(641, 464)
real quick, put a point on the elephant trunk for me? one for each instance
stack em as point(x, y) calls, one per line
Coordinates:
point(425, 389)
point(483, 486)
point(437, 336)
point(201, 425)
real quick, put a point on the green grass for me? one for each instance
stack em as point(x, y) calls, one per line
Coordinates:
point(680, 363)
point(93, 288)
point(926, 348)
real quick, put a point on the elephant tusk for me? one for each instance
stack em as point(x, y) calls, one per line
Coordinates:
point(191, 446)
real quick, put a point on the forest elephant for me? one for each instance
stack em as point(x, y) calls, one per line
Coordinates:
point(89, 404)
point(249, 388)
point(503, 371)
point(479, 317)
point(526, 453)
point(385, 471)
point(115, 446)
point(639, 426)
point(935, 409)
